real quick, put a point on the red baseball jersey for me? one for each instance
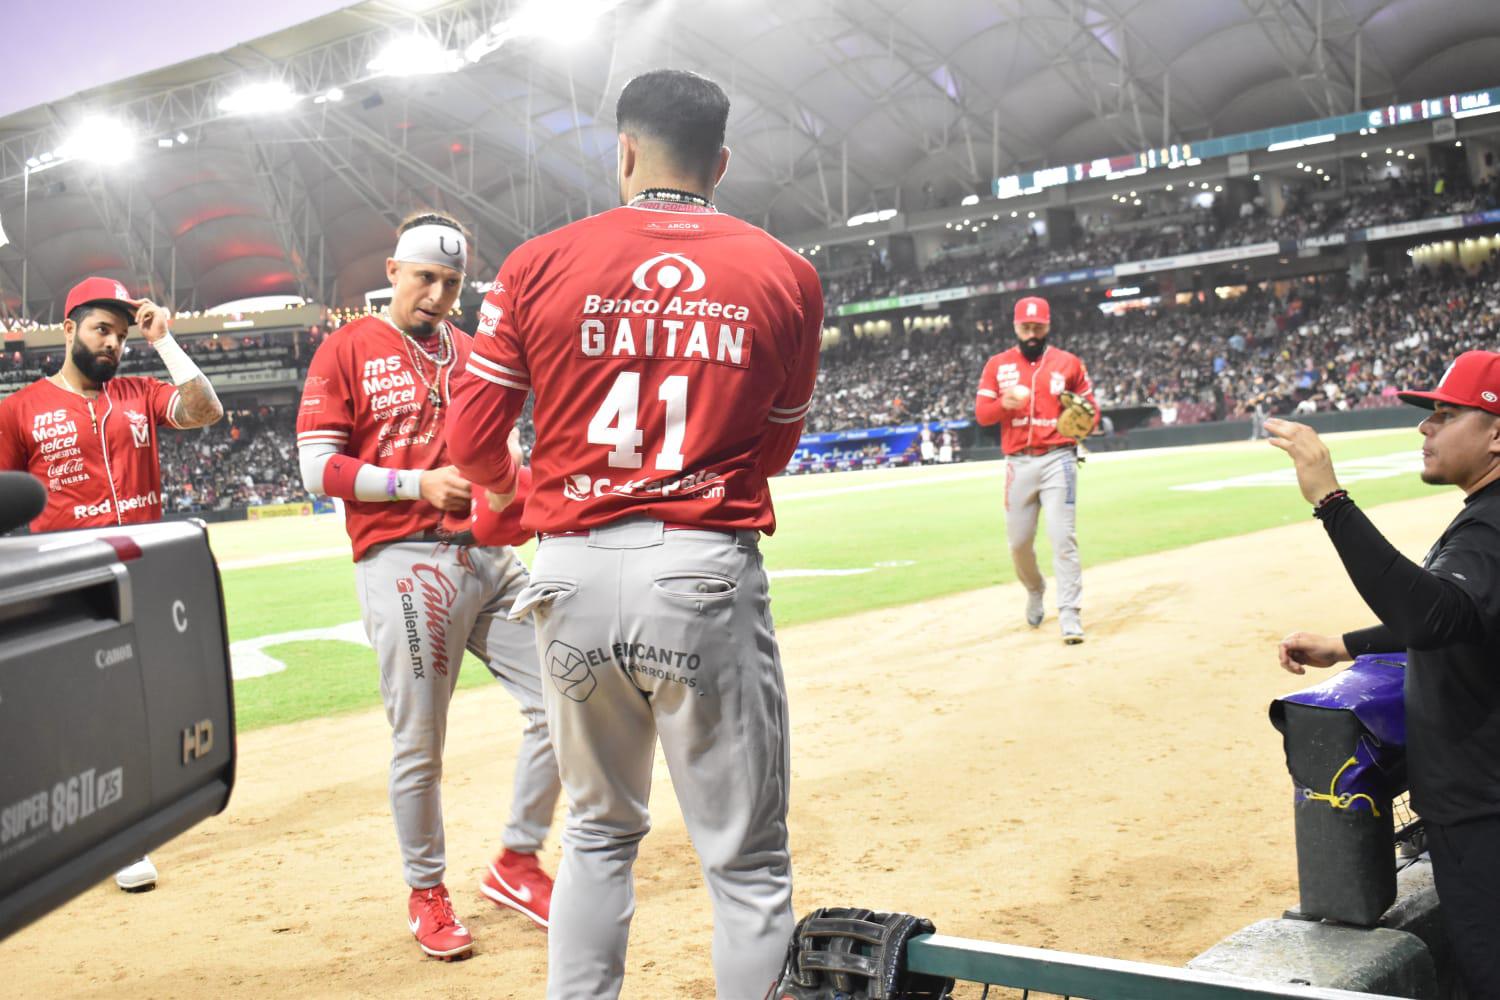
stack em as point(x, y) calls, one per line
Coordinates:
point(365, 394)
point(673, 353)
point(1031, 427)
point(504, 528)
point(96, 456)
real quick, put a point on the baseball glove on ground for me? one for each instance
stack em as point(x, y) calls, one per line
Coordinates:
point(1077, 417)
point(854, 954)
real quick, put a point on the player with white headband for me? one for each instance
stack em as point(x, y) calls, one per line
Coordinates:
point(434, 575)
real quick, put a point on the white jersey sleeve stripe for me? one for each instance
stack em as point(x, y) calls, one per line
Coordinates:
point(498, 369)
point(791, 411)
point(496, 379)
point(172, 408)
point(989, 393)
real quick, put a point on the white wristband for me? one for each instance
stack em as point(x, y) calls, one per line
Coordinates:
point(409, 484)
point(179, 366)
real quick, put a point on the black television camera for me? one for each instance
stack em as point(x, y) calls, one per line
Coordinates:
point(116, 699)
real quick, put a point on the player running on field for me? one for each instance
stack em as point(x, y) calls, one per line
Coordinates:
point(90, 436)
point(673, 352)
point(1029, 391)
point(371, 432)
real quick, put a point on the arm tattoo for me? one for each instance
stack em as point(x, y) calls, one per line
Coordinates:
point(197, 404)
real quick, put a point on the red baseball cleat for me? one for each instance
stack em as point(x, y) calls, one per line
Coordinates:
point(517, 881)
point(431, 921)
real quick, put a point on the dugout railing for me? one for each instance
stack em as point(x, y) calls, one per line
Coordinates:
point(1023, 971)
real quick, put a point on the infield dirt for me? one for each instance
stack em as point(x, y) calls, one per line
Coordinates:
point(1126, 797)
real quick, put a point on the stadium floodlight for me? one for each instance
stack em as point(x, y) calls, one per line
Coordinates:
point(334, 94)
point(164, 143)
point(972, 199)
point(182, 138)
point(879, 216)
point(260, 98)
point(557, 21)
point(98, 138)
point(3, 238)
point(415, 55)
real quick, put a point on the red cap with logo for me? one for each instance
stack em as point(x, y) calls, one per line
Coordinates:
point(99, 290)
point(1472, 380)
point(1033, 309)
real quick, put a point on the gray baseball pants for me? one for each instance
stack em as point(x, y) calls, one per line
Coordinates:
point(649, 633)
point(1049, 482)
point(424, 603)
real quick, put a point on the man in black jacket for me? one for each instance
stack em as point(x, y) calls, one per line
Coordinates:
point(1446, 614)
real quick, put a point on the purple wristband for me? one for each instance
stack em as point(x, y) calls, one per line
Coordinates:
point(391, 480)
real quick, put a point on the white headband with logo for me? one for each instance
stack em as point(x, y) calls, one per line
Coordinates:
point(433, 244)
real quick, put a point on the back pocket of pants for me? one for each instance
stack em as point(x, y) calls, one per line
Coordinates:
point(539, 595)
point(699, 590)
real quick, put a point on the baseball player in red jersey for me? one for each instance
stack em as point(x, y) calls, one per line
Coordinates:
point(673, 353)
point(1019, 390)
point(371, 431)
point(90, 435)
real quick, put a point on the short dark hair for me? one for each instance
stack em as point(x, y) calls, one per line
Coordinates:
point(430, 217)
point(684, 111)
point(84, 311)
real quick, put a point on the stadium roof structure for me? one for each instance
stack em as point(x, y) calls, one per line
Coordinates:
point(839, 107)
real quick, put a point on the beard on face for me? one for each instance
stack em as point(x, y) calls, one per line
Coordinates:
point(1033, 348)
point(420, 328)
point(95, 368)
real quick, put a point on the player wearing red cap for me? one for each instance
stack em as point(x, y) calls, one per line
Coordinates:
point(90, 434)
point(1021, 390)
point(434, 575)
point(1445, 613)
point(673, 352)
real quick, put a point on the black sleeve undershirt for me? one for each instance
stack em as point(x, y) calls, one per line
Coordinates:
point(1417, 609)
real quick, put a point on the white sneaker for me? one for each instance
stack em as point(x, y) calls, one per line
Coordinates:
point(139, 876)
point(1034, 609)
point(1072, 626)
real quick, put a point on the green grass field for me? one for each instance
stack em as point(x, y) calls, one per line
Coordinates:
point(918, 534)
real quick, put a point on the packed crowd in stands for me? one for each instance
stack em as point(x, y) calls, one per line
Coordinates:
point(247, 459)
point(1179, 232)
point(1294, 347)
point(1316, 344)
point(1319, 345)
